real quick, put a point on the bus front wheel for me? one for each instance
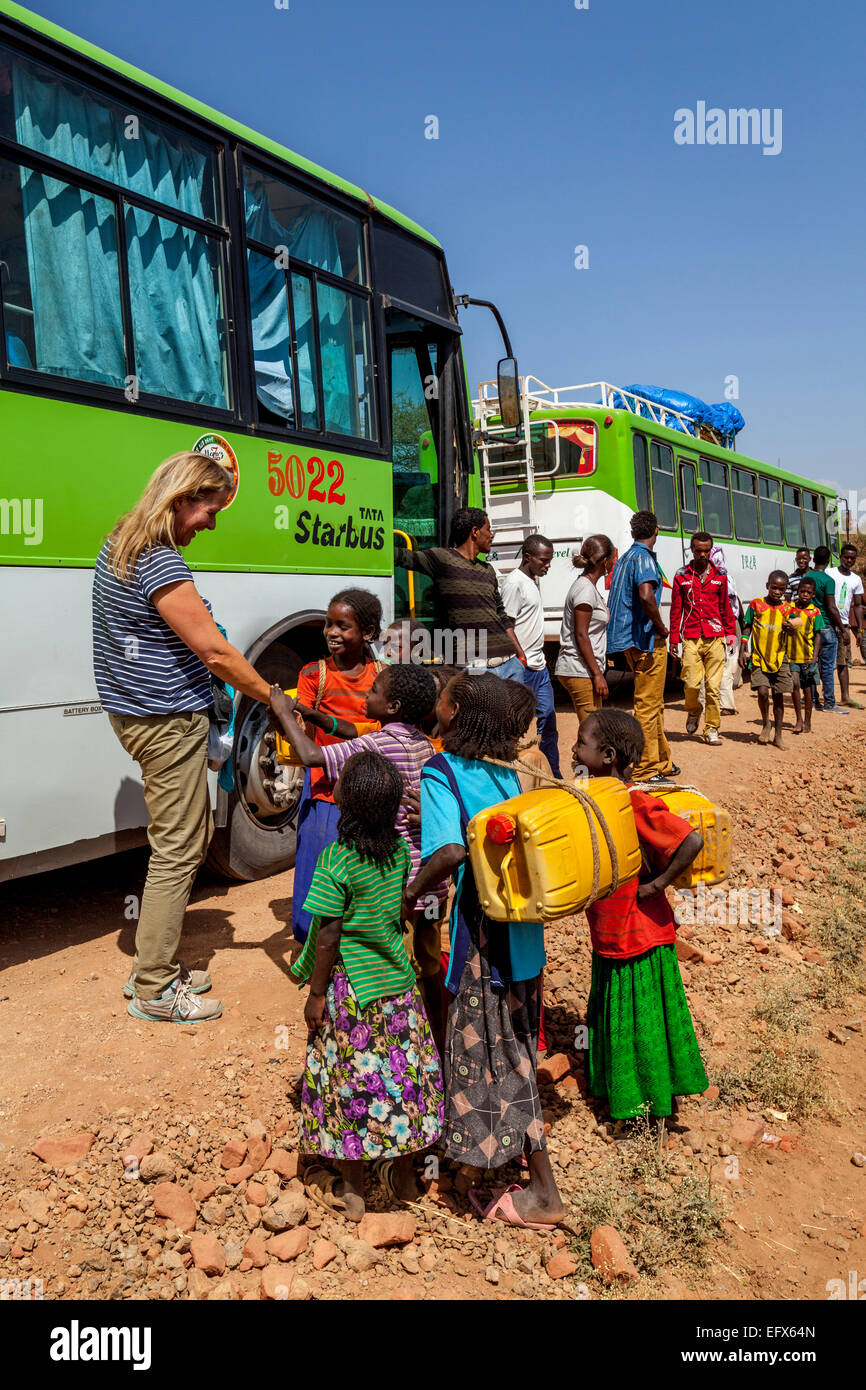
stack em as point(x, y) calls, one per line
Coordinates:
point(260, 833)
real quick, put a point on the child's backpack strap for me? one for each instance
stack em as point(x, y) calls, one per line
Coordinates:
point(468, 913)
point(323, 676)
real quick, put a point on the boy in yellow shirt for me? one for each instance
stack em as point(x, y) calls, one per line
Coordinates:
point(770, 622)
point(801, 653)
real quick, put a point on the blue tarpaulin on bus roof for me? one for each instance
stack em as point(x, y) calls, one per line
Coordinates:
point(723, 417)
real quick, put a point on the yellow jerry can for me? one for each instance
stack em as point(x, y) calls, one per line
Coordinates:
point(713, 864)
point(532, 855)
point(285, 751)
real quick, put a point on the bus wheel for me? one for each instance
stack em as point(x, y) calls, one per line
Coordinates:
point(259, 836)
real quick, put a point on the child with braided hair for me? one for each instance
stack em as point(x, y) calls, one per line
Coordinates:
point(372, 1085)
point(331, 698)
point(493, 1110)
point(395, 705)
point(642, 1047)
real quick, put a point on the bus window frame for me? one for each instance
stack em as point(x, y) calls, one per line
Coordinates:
point(682, 464)
point(659, 444)
point(722, 463)
point(640, 434)
point(797, 490)
point(746, 540)
point(45, 383)
point(231, 231)
point(777, 501)
point(819, 512)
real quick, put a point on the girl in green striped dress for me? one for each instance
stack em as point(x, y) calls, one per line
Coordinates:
point(372, 1086)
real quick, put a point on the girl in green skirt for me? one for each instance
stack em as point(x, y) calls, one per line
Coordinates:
point(642, 1046)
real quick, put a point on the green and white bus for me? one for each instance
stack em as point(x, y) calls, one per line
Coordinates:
point(171, 280)
point(588, 456)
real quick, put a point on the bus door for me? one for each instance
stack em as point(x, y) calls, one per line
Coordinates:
point(428, 483)
point(689, 505)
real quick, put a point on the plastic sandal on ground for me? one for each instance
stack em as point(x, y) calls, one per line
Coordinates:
point(502, 1208)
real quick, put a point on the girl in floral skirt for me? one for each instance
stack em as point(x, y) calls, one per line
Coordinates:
point(372, 1086)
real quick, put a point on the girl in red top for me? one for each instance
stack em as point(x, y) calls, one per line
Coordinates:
point(642, 1046)
point(333, 708)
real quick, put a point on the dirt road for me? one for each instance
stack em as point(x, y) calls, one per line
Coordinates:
point(790, 1215)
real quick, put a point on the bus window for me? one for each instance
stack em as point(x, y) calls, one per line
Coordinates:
point(347, 362)
point(62, 292)
point(715, 498)
point(689, 517)
point(56, 116)
point(771, 510)
point(813, 519)
point(794, 532)
point(281, 215)
point(81, 336)
point(641, 472)
point(292, 236)
point(577, 447)
point(178, 310)
point(664, 496)
point(744, 487)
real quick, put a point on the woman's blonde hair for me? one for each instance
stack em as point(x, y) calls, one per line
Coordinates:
point(151, 521)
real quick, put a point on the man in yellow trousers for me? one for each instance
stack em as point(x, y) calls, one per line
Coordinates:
point(702, 629)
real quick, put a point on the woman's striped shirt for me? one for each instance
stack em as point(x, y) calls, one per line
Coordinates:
point(140, 665)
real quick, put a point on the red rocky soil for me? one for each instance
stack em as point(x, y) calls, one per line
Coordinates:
point(143, 1162)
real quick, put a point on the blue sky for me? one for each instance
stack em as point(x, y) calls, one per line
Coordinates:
point(556, 129)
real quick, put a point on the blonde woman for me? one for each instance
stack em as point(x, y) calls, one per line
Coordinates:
point(154, 647)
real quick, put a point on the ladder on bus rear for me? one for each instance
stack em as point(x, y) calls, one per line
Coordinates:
point(506, 462)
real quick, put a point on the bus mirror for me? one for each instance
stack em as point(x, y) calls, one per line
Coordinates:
point(508, 385)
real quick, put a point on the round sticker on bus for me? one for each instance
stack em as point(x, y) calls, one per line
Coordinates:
point(221, 452)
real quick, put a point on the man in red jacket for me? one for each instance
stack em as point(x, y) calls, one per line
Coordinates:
point(702, 626)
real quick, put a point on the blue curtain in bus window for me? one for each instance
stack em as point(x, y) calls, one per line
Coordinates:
point(310, 237)
point(71, 241)
point(174, 293)
point(73, 257)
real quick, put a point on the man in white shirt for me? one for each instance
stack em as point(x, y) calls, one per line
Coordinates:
point(849, 601)
point(521, 599)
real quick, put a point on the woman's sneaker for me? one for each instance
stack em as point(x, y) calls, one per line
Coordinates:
point(199, 981)
point(177, 1004)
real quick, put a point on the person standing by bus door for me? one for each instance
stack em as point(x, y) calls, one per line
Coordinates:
point(702, 628)
point(467, 597)
point(521, 599)
point(155, 646)
point(849, 601)
point(825, 599)
point(636, 628)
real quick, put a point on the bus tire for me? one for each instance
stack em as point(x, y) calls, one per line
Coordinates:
point(244, 849)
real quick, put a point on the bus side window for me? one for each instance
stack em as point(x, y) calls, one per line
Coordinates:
point(794, 532)
point(689, 515)
point(771, 511)
point(715, 498)
point(664, 494)
point(641, 472)
point(815, 531)
point(745, 493)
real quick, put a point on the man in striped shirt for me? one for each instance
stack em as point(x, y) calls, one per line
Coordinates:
point(467, 597)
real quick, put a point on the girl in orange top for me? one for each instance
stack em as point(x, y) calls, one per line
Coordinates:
point(332, 710)
point(642, 1046)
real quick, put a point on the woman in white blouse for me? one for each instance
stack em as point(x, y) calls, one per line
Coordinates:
point(583, 636)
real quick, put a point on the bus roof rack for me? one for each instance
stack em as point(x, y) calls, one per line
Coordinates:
point(536, 395)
